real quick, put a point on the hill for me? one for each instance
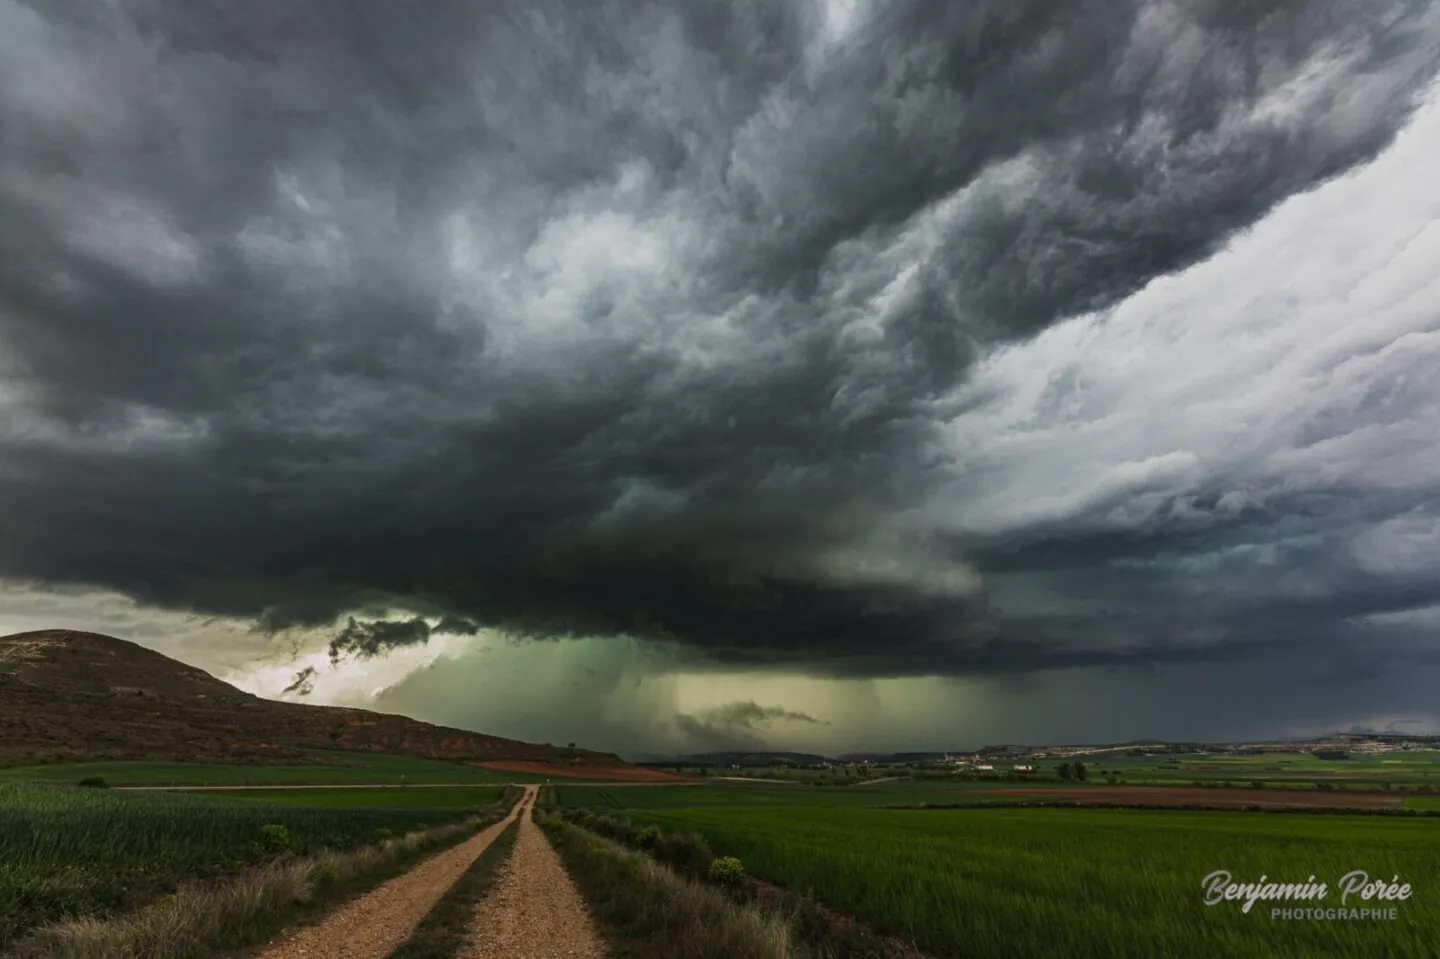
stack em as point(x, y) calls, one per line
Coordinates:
point(68, 696)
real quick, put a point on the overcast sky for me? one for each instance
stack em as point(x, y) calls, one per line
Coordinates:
point(674, 376)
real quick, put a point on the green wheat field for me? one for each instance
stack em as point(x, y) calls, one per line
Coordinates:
point(67, 851)
point(1038, 883)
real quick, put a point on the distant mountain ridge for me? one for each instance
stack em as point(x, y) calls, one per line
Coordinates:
point(70, 696)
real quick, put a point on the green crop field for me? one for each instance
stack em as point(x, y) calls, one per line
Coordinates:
point(459, 798)
point(743, 794)
point(1419, 767)
point(1421, 802)
point(344, 767)
point(68, 851)
point(1084, 883)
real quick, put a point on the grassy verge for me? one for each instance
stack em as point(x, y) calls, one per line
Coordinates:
point(822, 932)
point(201, 921)
point(441, 934)
point(648, 911)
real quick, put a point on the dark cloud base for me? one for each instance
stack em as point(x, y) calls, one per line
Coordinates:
point(239, 402)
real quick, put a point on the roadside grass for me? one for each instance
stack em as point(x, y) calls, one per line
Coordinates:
point(459, 798)
point(68, 852)
point(202, 920)
point(1025, 883)
point(821, 932)
point(648, 911)
point(442, 933)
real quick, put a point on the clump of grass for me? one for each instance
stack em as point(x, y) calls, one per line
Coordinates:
point(649, 911)
point(204, 919)
point(441, 934)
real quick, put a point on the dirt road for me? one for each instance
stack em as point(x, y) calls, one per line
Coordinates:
point(373, 925)
point(533, 910)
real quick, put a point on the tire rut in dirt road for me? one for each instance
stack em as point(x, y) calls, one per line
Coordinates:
point(533, 911)
point(372, 926)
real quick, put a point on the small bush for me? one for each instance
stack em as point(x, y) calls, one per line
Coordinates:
point(94, 782)
point(274, 839)
point(726, 871)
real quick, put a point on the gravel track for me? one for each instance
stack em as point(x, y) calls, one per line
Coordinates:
point(533, 910)
point(372, 926)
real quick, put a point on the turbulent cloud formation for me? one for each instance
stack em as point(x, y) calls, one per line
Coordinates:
point(362, 639)
point(696, 322)
point(750, 714)
point(366, 640)
point(737, 725)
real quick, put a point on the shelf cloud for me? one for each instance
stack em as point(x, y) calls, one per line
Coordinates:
point(865, 339)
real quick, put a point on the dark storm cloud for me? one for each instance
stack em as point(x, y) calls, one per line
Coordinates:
point(736, 725)
point(599, 318)
point(457, 626)
point(750, 714)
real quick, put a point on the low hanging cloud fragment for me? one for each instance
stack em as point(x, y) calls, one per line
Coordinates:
point(643, 319)
point(742, 725)
point(369, 639)
point(304, 682)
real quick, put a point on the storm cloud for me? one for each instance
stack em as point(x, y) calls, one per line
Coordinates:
point(702, 323)
point(737, 725)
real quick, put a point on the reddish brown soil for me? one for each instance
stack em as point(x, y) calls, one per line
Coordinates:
point(617, 772)
point(1182, 796)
